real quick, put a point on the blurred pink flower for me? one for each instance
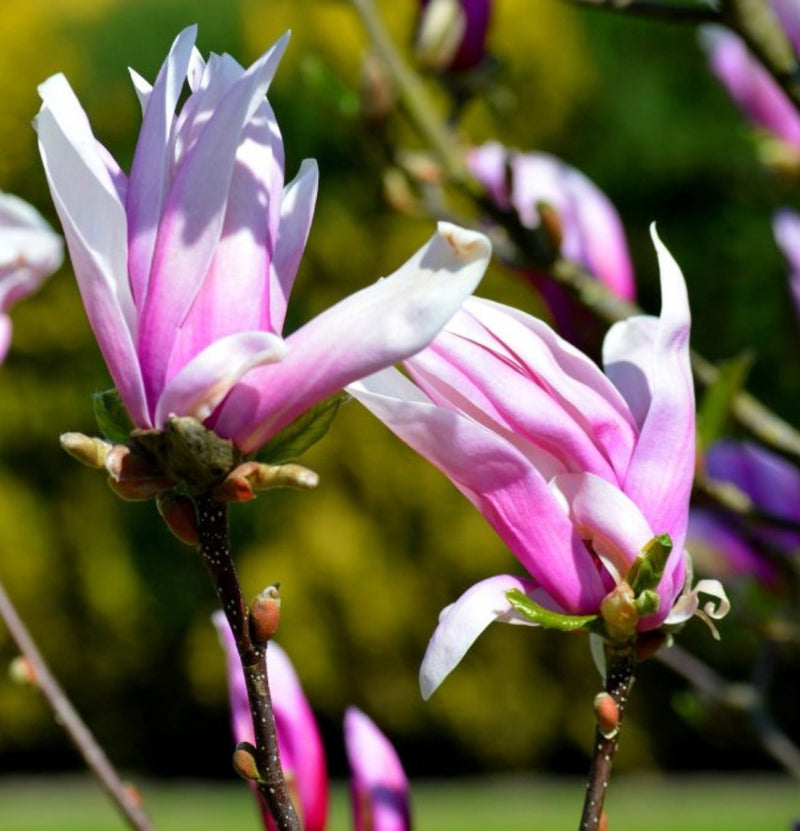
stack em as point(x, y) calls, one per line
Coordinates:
point(379, 787)
point(29, 253)
point(186, 266)
point(451, 34)
point(752, 88)
point(575, 470)
point(786, 227)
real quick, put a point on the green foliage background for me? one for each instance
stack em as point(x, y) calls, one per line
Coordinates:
point(121, 609)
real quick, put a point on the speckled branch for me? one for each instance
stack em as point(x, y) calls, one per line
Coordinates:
point(67, 716)
point(214, 547)
point(620, 663)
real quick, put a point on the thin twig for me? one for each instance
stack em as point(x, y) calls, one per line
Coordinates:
point(212, 526)
point(67, 716)
point(740, 697)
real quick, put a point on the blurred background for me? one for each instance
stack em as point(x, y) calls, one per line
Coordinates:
point(365, 562)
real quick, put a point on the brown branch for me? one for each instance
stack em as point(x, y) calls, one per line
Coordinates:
point(124, 797)
point(214, 547)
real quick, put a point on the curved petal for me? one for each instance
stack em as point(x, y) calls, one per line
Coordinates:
point(688, 604)
point(94, 223)
point(648, 361)
point(461, 623)
point(786, 227)
point(193, 217)
point(378, 783)
point(500, 481)
point(200, 386)
point(375, 327)
point(297, 211)
point(149, 180)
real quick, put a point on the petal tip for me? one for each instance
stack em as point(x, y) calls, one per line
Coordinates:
point(466, 244)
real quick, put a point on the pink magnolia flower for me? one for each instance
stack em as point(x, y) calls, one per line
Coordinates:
point(751, 87)
point(379, 787)
point(576, 470)
point(451, 34)
point(186, 265)
point(719, 537)
point(786, 227)
point(29, 253)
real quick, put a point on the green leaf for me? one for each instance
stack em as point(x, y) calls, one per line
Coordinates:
point(548, 619)
point(645, 573)
point(111, 416)
point(302, 433)
point(715, 408)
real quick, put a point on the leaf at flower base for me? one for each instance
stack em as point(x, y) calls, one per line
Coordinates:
point(645, 573)
point(111, 416)
point(715, 409)
point(302, 433)
point(548, 619)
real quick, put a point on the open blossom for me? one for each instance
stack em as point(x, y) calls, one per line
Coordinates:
point(185, 266)
point(720, 539)
point(29, 253)
point(451, 34)
point(752, 88)
point(576, 470)
point(379, 787)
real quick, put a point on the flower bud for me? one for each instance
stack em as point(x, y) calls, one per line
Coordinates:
point(21, 671)
point(258, 476)
point(88, 450)
point(179, 513)
point(244, 762)
point(265, 614)
point(619, 613)
point(441, 29)
point(607, 714)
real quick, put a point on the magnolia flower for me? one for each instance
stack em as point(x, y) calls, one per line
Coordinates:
point(29, 253)
point(186, 265)
point(786, 227)
point(773, 485)
point(752, 88)
point(576, 470)
point(451, 34)
point(379, 787)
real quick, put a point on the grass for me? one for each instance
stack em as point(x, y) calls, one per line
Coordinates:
point(635, 804)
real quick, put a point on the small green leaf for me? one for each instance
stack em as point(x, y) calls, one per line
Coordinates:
point(715, 409)
point(111, 416)
point(646, 603)
point(647, 568)
point(548, 619)
point(302, 433)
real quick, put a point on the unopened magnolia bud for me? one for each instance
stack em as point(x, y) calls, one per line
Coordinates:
point(179, 513)
point(88, 450)
point(619, 613)
point(263, 477)
point(607, 714)
point(265, 614)
point(244, 762)
point(441, 29)
point(21, 671)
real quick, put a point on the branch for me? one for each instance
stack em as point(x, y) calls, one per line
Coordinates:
point(67, 716)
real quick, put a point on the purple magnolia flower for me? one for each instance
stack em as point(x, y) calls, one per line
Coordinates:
point(786, 227)
point(379, 787)
point(576, 470)
point(451, 34)
point(751, 87)
point(186, 265)
point(29, 253)
point(773, 485)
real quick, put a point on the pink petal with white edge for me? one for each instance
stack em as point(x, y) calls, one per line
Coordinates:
point(656, 380)
point(461, 623)
point(498, 479)
point(93, 217)
point(193, 217)
point(200, 386)
point(150, 176)
point(376, 327)
point(297, 211)
point(378, 783)
point(604, 517)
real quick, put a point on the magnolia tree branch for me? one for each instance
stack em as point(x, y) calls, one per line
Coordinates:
point(620, 663)
point(124, 797)
point(739, 697)
point(214, 547)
